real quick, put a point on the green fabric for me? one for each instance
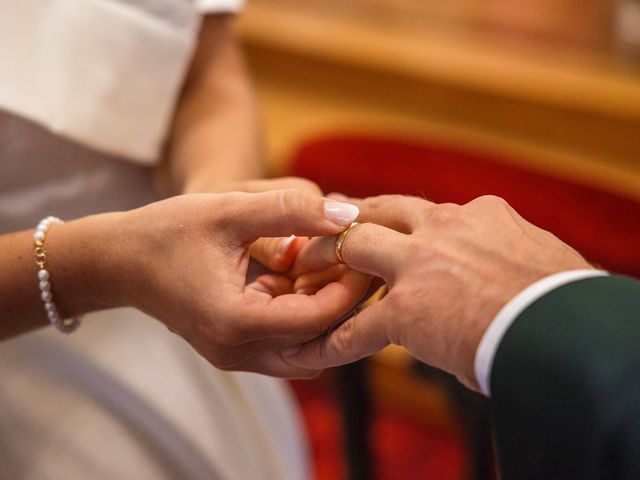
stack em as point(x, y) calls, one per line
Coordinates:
point(566, 385)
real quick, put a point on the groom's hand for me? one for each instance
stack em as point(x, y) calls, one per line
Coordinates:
point(448, 268)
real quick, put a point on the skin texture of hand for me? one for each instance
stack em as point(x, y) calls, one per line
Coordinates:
point(184, 261)
point(190, 256)
point(279, 254)
point(276, 254)
point(449, 270)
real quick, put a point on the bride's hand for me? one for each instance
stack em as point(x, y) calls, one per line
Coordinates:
point(184, 261)
point(277, 253)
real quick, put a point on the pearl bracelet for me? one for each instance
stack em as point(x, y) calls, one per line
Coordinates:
point(67, 325)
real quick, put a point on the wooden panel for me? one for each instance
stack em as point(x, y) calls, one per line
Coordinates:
point(564, 112)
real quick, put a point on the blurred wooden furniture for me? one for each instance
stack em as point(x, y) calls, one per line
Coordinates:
point(567, 103)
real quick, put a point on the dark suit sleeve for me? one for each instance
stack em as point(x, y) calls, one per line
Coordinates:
point(565, 385)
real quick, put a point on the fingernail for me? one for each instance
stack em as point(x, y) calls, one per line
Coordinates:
point(284, 244)
point(290, 352)
point(340, 213)
point(258, 286)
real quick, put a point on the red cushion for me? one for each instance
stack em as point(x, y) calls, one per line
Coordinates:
point(603, 226)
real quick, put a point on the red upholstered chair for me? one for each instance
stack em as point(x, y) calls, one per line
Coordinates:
point(603, 226)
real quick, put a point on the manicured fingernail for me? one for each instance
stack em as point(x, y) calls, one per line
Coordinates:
point(284, 244)
point(260, 287)
point(290, 352)
point(340, 213)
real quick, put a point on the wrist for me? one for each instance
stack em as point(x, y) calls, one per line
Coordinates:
point(510, 311)
point(213, 177)
point(83, 260)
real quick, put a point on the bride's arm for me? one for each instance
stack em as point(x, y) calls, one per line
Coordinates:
point(216, 134)
point(184, 261)
point(215, 142)
point(77, 257)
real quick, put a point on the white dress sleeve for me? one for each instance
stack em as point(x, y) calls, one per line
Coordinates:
point(105, 74)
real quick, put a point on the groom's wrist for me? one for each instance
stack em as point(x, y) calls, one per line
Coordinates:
point(496, 330)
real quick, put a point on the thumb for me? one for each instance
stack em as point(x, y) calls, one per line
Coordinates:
point(358, 337)
point(281, 213)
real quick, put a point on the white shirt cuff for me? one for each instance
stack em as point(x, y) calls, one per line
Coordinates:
point(218, 6)
point(498, 328)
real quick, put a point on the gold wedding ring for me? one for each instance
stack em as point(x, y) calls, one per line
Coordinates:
point(340, 241)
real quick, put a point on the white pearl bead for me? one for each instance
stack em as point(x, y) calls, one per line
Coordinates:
point(65, 326)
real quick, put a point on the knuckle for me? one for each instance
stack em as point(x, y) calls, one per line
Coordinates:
point(303, 184)
point(395, 197)
point(382, 200)
point(418, 251)
point(291, 197)
point(344, 336)
point(446, 214)
point(373, 203)
point(491, 200)
point(291, 201)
